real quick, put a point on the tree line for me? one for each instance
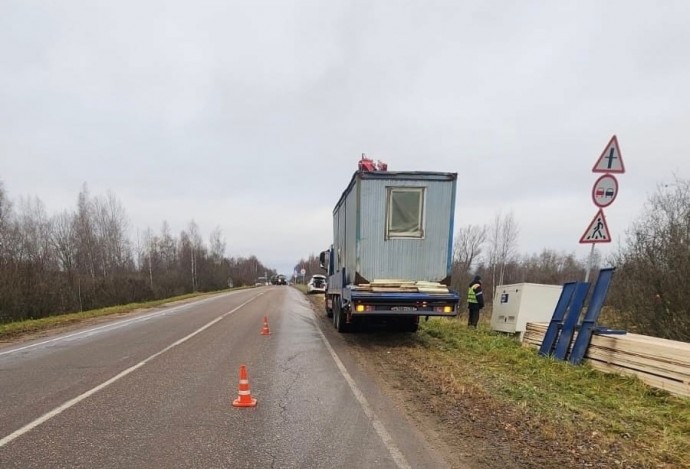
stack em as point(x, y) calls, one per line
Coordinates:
point(83, 259)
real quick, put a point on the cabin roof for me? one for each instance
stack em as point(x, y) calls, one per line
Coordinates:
point(395, 176)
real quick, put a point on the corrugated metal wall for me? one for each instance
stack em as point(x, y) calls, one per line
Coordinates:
point(411, 259)
point(360, 227)
point(345, 231)
point(351, 232)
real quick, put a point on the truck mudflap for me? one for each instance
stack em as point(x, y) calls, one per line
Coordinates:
point(401, 303)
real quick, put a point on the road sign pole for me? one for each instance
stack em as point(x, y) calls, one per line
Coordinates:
point(590, 261)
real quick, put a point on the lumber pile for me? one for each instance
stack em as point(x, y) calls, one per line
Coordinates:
point(394, 285)
point(660, 363)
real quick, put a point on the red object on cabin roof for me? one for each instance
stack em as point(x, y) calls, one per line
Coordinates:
point(367, 164)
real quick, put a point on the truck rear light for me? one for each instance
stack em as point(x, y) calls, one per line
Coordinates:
point(444, 309)
point(360, 308)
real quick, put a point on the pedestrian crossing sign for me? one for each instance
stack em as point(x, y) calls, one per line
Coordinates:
point(597, 231)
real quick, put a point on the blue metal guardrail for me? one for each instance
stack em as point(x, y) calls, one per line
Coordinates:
point(570, 322)
point(556, 323)
point(564, 323)
point(584, 335)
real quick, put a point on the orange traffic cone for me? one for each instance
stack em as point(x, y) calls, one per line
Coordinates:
point(244, 398)
point(264, 330)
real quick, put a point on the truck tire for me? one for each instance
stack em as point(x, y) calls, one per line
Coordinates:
point(340, 318)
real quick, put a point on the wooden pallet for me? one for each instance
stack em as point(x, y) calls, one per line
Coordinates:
point(392, 286)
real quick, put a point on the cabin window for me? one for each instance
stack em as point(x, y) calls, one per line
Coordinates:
point(405, 212)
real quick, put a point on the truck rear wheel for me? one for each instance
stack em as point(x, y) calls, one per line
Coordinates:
point(340, 317)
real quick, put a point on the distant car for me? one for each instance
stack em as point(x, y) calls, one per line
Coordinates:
point(261, 281)
point(317, 284)
point(279, 280)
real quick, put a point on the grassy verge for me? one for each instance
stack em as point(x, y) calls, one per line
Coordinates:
point(650, 428)
point(14, 329)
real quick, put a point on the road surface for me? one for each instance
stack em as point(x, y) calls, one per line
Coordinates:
point(155, 389)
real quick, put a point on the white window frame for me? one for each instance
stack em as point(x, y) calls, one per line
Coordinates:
point(417, 233)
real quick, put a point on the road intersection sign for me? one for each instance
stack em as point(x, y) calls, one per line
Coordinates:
point(610, 160)
point(597, 231)
point(605, 190)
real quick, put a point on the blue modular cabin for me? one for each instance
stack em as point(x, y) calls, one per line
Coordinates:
point(392, 226)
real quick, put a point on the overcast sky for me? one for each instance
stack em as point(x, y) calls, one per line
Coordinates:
point(251, 116)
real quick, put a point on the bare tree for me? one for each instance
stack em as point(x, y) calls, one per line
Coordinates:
point(86, 245)
point(35, 230)
point(217, 244)
point(467, 249)
point(167, 247)
point(549, 267)
point(195, 244)
point(5, 210)
point(147, 253)
point(110, 225)
point(63, 241)
point(311, 266)
point(503, 234)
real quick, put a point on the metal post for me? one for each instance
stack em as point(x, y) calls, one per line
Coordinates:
point(589, 262)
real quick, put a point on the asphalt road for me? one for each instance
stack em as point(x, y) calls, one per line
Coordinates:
point(155, 389)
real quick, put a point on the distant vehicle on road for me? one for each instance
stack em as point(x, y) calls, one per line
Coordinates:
point(279, 280)
point(317, 284)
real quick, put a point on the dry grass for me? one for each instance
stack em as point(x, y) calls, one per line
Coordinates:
point(648, 427)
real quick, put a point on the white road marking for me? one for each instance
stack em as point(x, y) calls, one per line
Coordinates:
point(395, 453)
point(44, 418)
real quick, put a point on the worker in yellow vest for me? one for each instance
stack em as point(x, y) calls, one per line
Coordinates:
point(475, 300)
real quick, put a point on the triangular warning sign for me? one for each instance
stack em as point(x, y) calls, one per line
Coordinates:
point(610, 160)
point(597, 231)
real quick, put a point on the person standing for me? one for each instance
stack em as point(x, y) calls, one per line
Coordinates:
point(475, 301)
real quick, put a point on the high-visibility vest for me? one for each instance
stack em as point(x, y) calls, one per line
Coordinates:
point(471, 294)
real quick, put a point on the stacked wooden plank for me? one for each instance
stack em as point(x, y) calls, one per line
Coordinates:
point(661, 363)
point(395, 285)
point(534, 334)
point(431, 287)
